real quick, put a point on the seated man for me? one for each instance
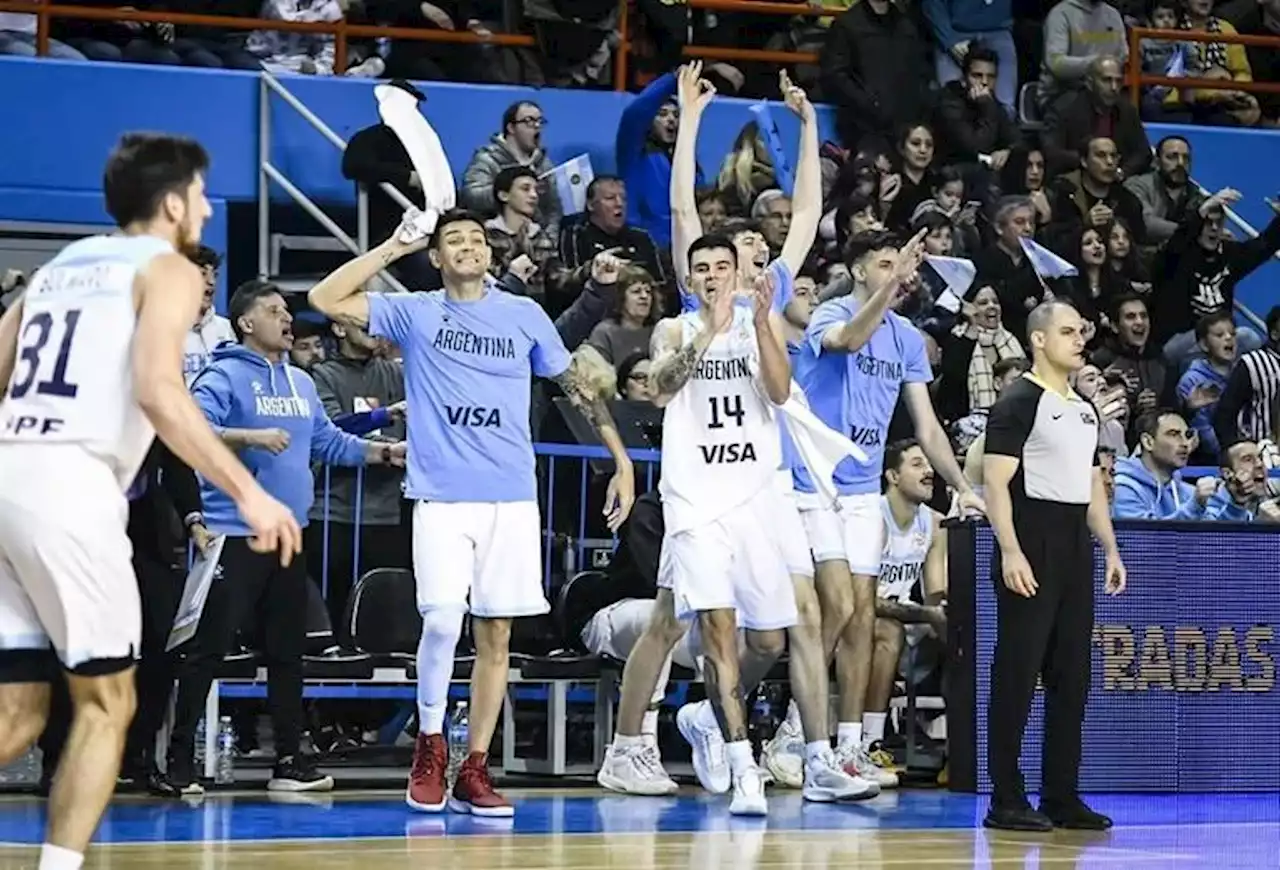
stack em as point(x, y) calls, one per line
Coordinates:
point(1149, 485)
point(610, 615)
point(912, 589)
point(1244, 495)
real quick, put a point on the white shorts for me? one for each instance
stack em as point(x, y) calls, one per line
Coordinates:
point(851, 532)
point(736, 562)
point(615, 630)
point(490, 552)
point(795, 543)
point(66, 564)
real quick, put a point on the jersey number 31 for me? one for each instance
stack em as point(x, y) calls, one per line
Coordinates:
point(31, 346)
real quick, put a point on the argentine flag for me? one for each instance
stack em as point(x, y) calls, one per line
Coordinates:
point(570, 180)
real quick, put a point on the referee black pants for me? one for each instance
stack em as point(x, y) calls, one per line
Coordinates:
point(253, 590)
point(1047, 636)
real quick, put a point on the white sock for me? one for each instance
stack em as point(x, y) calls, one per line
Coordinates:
point(649, 724)
point(793, 715)
point(815, 750)
point(628, 741)
point(57, 858)
point(441, 629)
point(739, 753)
point(849, 733)
point(873, 727)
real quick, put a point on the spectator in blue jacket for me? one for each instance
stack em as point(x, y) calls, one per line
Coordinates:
point(1149, 486)
point(1242, 496)
point(1201, 385)
point(958, 25)
point(269, 413)
point(645, 143)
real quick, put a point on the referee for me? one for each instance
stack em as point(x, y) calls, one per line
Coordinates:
point(1044, 496)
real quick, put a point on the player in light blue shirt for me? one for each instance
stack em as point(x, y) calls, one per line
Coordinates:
point(469, 352)
point(857, 359)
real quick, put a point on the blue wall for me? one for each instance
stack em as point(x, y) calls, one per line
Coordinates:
point(61, 120)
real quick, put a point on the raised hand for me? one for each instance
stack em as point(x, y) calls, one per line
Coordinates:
point(693, 91)
point(910, 256)
point(721, 314)
point(794, 96)
point(765, 287)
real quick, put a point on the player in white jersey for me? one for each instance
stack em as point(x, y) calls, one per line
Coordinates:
point(92, 356)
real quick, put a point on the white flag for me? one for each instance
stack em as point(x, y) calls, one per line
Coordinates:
point(1046, 263)
point(570, 180)
point(957, 274)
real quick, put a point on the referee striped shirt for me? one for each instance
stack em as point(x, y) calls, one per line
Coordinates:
point(1248, 405)
point(1054, 437)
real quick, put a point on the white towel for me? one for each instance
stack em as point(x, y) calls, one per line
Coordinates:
point(399, 111)
point(821, 448)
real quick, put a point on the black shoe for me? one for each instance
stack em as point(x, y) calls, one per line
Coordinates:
point(298, 773)
point(1017, 818)
point(159, 784)
point(1075, 815)
point(182, 775)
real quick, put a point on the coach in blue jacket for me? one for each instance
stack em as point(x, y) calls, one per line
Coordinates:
point(267, 410)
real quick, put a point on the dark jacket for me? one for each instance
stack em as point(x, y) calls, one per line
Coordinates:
point(1075, 118)
point(1017, 285)
point(876, 69)
point(1072, 204)
point(1192, 282)
point(581, 240)
point(166, 495)
point(966, 129)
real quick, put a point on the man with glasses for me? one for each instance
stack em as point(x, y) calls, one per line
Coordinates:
point(518, 144)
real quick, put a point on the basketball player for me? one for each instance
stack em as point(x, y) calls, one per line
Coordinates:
point(469, 351)
point(859, 356)
point(92, 357)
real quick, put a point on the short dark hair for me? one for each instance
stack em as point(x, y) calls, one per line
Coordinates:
point(979, 51)
point(708, 194)
point(506, 178)
point(1209, 321)
point(894, 452)
point(1149, 423)
point(944, 175)
point(1177, 5)
point(603, 179)
point(1224, 455)
point(1122, 299)
point(1009, 365)
point(509, 114)
point(453, 216)
point(861, 244)
point(734, 225)
point(931, 220)
point(205, 257)
point(146, 167)
point(245, 297)
point(712, 242)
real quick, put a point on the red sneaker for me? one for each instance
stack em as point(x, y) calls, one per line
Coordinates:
point(473, 792)
point(426, 792)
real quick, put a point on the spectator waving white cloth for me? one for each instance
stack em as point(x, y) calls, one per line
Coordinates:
point(399, 111)
point(821, 448)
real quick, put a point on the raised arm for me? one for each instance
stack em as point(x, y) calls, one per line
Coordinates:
point(695, 94)
point(857, 331)
point(775, 364)
point(806, 199)
point(168, 293)
point(341, 295)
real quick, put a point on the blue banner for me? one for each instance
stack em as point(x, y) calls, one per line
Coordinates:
point(1184, 695)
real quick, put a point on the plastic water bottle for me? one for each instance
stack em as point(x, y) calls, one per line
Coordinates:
point(459, 733)
point(200, 737)
point(224, 766)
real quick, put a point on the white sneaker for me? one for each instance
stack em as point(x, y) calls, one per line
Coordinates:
point(637, 770)
point(710, 761)
point(783, 756)
point(855, 761)
point(825, 781)
point(748, 794)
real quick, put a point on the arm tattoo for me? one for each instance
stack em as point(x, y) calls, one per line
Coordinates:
point(906, 612)
point(589, 403)
point(672, 373)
